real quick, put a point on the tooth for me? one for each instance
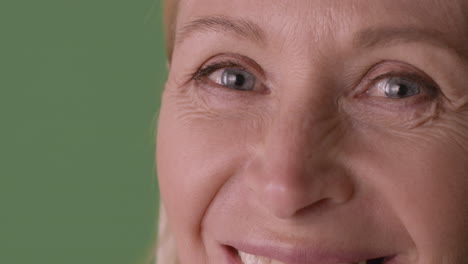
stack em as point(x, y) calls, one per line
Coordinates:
point(275, 262)
point(252, 259)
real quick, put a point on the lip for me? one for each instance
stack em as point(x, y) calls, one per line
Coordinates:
point(231, 254)
point(302, 255)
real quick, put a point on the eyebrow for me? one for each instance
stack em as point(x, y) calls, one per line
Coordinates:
point(367, 38)
point(240, 27)
point(387, 36)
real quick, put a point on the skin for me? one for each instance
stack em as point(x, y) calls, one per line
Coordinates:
point(316, 157)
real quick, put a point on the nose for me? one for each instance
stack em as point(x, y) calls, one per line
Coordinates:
point(296, 167)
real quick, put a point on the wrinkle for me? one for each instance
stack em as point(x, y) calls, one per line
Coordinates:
point(191, 110)
point(461, 105)
point(457, 126)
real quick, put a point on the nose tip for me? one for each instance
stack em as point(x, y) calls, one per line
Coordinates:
point(287, 189)
point(285, 201)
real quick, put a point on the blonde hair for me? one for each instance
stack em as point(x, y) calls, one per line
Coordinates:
point(170, 14)
point(166, 251)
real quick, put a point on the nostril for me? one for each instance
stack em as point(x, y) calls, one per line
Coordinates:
point(316, 207)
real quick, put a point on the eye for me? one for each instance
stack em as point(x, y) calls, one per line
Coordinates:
point(234, 78)
point(395, 88)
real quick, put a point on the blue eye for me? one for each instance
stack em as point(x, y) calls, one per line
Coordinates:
point(234, 78)
point(395, 88)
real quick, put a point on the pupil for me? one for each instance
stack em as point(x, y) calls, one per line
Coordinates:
point(403, 90)
point(239, 80)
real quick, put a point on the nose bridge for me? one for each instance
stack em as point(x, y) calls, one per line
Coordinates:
point(299, 132)
point(292, 169)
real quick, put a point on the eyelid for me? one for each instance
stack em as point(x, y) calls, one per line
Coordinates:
point(210, 68)
point(225, 60)
point(410, 76)
point(428, 88)
point(379, 88)
point(232, 61)
point(397, 69)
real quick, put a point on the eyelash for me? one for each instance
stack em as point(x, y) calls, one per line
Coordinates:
point(207, 70)
point(429, 87)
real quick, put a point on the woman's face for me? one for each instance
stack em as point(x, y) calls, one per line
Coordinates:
point(317, 132)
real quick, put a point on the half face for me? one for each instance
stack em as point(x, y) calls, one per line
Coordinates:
point(317, 132)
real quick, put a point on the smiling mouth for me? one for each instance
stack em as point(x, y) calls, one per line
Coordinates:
point(245, 258)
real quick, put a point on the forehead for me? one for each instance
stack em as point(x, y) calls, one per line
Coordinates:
point(445, 8)
point(300, 17)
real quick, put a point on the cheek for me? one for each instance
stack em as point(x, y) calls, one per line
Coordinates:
point(433, 191)
point(196, 156)
point(424, 179)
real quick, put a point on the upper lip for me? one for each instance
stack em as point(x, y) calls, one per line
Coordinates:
point(295, 254)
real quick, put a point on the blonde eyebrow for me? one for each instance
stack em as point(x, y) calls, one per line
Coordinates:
point(388, 36)
point(368, 38)
point(239, 27)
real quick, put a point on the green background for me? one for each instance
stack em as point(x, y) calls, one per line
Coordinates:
point(79, 91)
